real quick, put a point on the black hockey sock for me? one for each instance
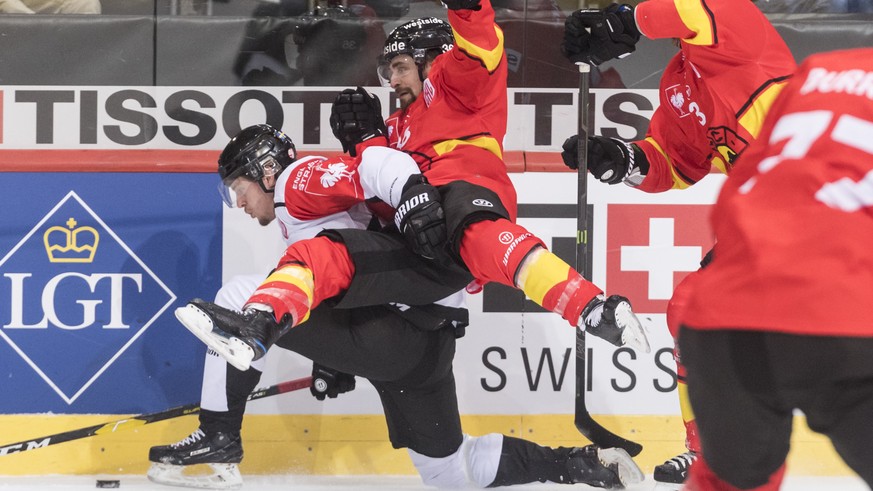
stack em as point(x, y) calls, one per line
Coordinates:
point(523, 462)
point(238, 387)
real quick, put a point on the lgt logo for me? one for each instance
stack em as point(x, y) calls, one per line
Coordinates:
point(651, 248)
point(78, 297)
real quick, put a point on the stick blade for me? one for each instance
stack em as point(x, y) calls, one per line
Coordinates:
point(602, 437)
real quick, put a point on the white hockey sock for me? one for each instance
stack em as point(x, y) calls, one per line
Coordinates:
point(475, 462)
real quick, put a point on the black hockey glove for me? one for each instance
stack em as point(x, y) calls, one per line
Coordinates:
point(327, 382)
point(610, 160)
point(420, 217)
point(356, 116)
point(594, 36)
point(462, 4)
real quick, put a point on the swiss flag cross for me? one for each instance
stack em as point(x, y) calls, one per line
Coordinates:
point(651, 248)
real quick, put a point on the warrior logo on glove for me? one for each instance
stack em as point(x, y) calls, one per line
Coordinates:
point(420, 217)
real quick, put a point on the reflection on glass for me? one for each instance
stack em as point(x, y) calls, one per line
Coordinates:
point(50, 6)
point(330, 45)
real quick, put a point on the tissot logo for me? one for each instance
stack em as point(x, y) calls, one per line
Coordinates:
point(77, 297)
point(182, 118)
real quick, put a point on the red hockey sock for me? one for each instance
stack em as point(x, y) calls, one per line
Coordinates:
point(309, 272)
point(288, 290)
point(702, 478)
point(493, 249)
point(692, 440)
point(505, 252)
point(548, 280)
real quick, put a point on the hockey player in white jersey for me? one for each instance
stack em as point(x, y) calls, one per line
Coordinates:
point(406, 354)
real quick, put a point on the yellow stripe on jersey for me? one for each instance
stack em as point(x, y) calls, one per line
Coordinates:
point(684, 402)
point(753, 118)
point(293, 274)
point(546, 271)
point(484, 142)
point(719, 164)
point(489, 58)
point(678, 182)
point(697, 18)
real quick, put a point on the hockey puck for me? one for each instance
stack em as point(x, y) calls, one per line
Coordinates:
point(112, 483)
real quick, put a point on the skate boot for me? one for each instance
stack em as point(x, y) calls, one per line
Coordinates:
point(239, 337)
point(220, 451)
point(675, 470)
point(610, 468)
point(614, 321)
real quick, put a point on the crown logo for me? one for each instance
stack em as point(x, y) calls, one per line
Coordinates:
point(63, 244)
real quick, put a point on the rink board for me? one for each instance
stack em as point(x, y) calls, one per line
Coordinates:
point(351, 444)
point(514, 367)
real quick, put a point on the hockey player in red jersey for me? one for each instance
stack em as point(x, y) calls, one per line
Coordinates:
point(714, 94)
point(458, 215)
point(781, 318)
point(455, 134)
point(406, 354)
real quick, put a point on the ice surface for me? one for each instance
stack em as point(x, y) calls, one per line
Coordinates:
point(361, 483)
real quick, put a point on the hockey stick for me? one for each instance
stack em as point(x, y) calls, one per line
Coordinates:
point(586, 425)
point(142, 419)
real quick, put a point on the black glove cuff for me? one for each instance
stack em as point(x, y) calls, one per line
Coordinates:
point(413, 180)
point(462, 4)
point(638, 163)
point(625, 14)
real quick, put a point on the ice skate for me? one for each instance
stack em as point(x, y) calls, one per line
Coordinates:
point(672, 473)
point(614, 321)
point(221, 452)
point(239, 337)
point(610, 468)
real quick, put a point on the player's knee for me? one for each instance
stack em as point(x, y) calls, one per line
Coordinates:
point(474, 463)
point(483, 458)
point(494, 250)
point(442, 472)
point(678, 302)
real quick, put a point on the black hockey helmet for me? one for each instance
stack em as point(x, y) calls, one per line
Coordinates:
point(419, 38)
point(254, 153)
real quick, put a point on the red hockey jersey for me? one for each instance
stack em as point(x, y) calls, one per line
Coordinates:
point(715, 92)
point(455, 128)
point(795, 218)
